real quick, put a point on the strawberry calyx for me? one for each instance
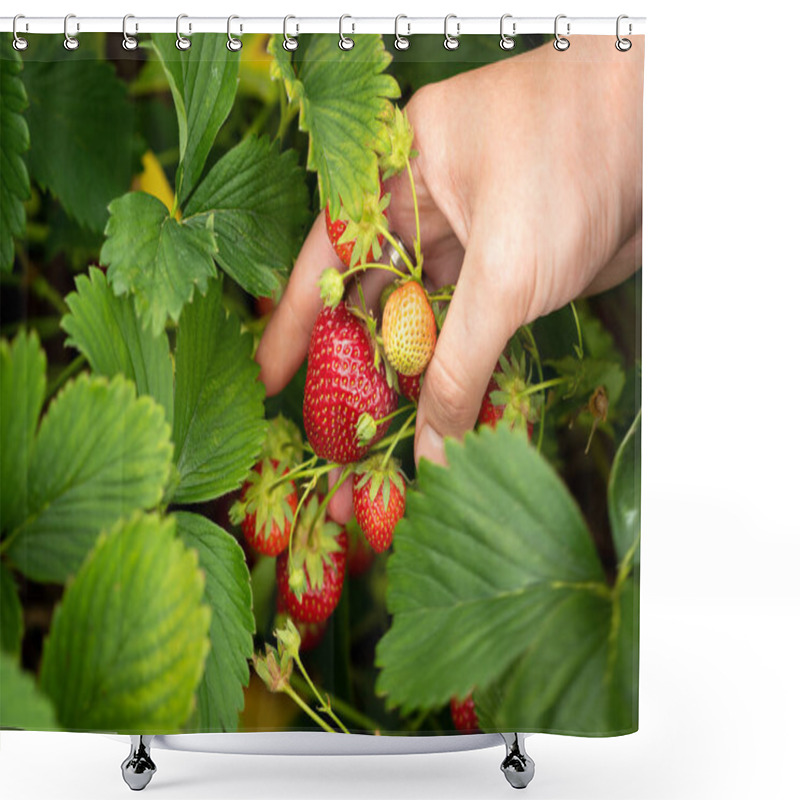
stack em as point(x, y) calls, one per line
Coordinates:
point(379, 477)
point(283, 442)
point(314, 543)
point(520, 408)
point(265, 497)
point(394, 145)
point(365, 234)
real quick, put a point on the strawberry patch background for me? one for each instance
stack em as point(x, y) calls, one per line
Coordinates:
point(167, 563)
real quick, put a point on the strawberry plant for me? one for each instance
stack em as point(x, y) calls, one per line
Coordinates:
point(167, 556)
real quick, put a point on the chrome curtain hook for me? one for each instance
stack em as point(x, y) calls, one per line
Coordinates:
point(234, 44)
point(561, 43)
point(70, 42)
point(289, 43)
point(623, 45)
point(345, 42)
point(451, 42)
point(129, 42)
point(401, 42)
point(19, 43)
point(506, 42)
point(181, 42)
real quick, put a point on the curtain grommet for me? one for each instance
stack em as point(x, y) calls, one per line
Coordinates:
point(19, 43)
point(561, 43)
point(623, 45)
point(451, 42)
point(181, 42)
point(401, 42)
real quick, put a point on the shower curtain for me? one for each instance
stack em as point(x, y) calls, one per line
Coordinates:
point(185, 551)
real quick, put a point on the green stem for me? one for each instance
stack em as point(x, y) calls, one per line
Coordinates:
point(331, 492)
point(418, 240)
point(313, 714)
point(326, 706)
point(396, 438)
point(309, 488)
point(387, 442)
point(371, 265)
point(540, 387)
point(347, 711)
point(394, 414)
point(389, 238)
point(534, 351)
point(578, 326)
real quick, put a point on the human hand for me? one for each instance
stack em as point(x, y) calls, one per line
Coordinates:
point(529, 192)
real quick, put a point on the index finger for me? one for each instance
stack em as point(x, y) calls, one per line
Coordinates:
point(284, 343)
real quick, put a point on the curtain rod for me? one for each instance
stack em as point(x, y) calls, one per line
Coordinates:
point(298, 25)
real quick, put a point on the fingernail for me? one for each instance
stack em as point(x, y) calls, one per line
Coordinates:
point(431, 446)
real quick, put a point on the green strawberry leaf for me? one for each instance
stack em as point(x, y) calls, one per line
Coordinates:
point(11, 627)
point(129, 641)
point(14, 182)
point(23, 381)
point(83, 143)
point(219, 401)
point(579, 676)
point(343, 97)
point(100, 453)
point(203, 83)
point(105, 329)
point(22, 705)
point(259, 201)
point(625, 495)
point(228, 593)
point(155, 257)
point(495, 581)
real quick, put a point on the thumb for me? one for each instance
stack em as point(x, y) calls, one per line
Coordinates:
point(478, 326)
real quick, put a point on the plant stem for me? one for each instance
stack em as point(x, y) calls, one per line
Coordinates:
point(395, 413)
point(387, 442)
point(371, 265)
point(540, 387)
point(326, 706)
point(389, 238)
point(331, 492)
point(418, 240)
point(355, 716)
point(578, 326)
point(534, 351)
point(313, 714)
point(309, 488)
point(396, 438)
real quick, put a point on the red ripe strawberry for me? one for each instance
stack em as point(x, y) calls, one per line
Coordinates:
point(359, 242)
point(265, 510)
point(342, 383)
point(311, 633)
point(463, 713)
point(311, 584)
point(359, 554)
point(410, 386)
point(379, 500)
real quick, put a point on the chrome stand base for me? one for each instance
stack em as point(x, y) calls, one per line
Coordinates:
point(517, 766)
point(138, 768)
